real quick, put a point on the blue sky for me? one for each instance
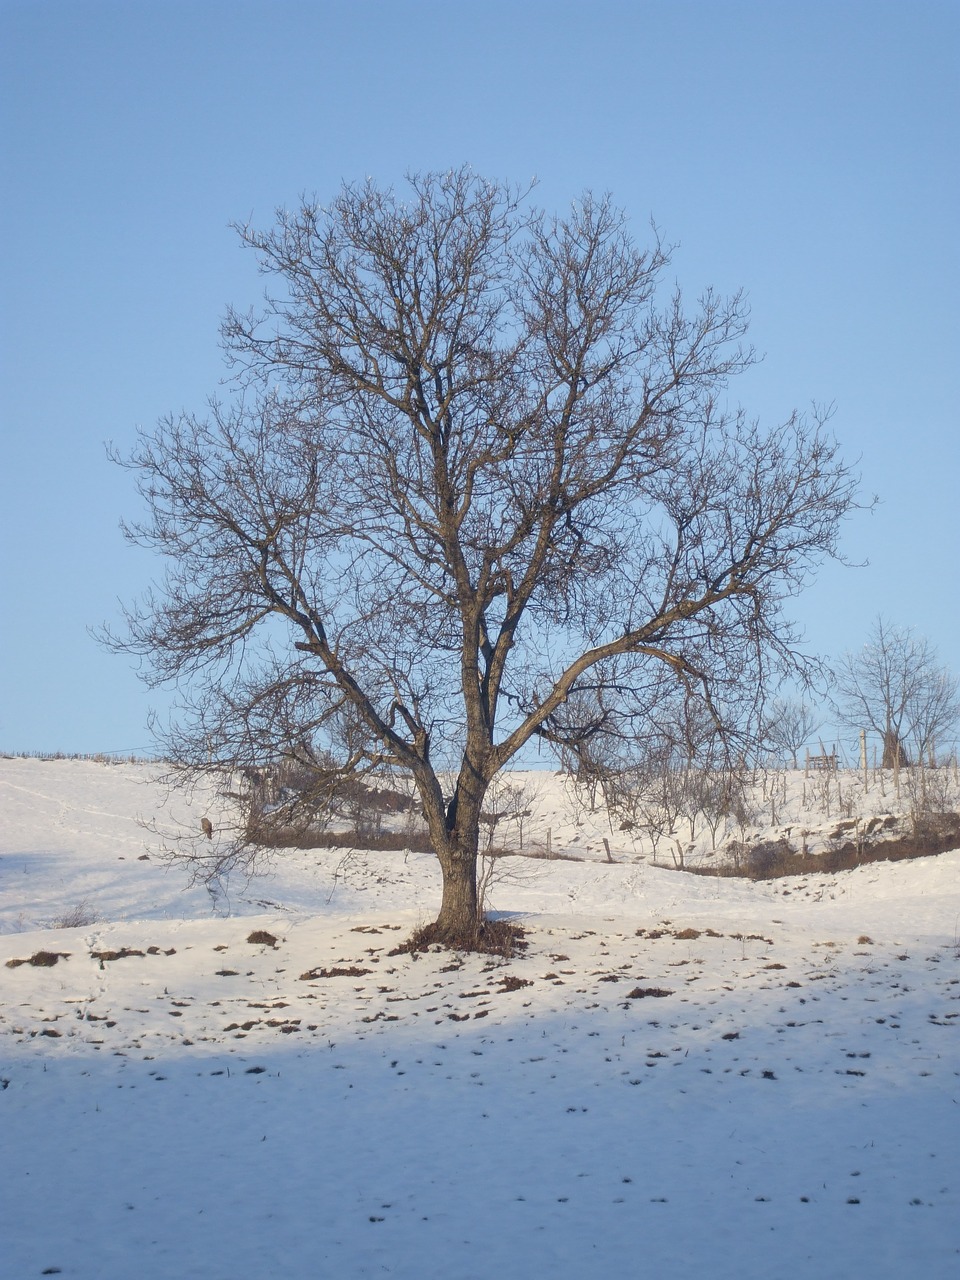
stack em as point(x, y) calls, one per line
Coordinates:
point(805, 151)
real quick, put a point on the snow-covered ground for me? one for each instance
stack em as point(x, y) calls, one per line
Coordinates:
point(680, 1076)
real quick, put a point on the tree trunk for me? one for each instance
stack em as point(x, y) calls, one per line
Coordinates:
point(455, 834)
point(894, 752)
point(459, 909)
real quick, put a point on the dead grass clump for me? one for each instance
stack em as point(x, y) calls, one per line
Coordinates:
point(640, 993)
point(342, 971)
point(684, 934)
point(512, 983)
point(489, 937)
point(123, 954)
point(79, 916)
point(40, 959)
point(261, 938)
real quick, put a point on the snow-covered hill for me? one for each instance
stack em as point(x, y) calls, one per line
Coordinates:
point(680, 1075)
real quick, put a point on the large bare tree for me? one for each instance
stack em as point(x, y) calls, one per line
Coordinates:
point(473, 476)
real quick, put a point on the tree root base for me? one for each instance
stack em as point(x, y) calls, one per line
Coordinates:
point(489, 937)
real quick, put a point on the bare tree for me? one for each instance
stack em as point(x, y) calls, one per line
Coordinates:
point(509, 800)
point(470, 466)
point(791, 726)
point(936, 712)
point(896, 687)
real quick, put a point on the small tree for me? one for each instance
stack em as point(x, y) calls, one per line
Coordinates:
point(791, 726)
point(896, 687)
point(470, 467)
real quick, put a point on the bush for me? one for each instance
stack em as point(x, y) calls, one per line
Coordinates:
point(770, 858)
point(77, 917)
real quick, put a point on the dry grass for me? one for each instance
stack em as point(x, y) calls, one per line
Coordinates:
point(40, 959)
point(261, 938)
point(79, 916)
point(489, 937)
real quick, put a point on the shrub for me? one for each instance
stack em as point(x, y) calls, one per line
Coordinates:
point(770, 858)
point(77, 917)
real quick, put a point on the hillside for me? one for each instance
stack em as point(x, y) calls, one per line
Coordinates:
point(680, 1074)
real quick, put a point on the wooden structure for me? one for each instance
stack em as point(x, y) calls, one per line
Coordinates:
point(826, 762)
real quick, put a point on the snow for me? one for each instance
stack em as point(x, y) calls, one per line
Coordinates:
point(206, 1110)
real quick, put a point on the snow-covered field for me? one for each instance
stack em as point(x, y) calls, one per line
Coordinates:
point(680, 1076)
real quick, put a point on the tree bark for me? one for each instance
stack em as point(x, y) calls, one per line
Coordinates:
point(459, 909)
point(455, 832)
point(894, 752)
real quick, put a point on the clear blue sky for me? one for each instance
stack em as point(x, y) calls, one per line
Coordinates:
point(806, 151)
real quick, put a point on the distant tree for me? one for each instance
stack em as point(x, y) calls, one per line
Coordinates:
point(509, 801)
point(896, 687)
point(791, 726)
point(469, 468)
